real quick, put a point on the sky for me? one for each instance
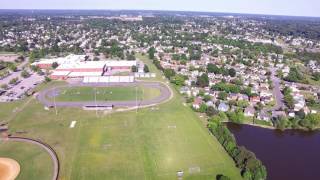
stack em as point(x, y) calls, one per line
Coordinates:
point(273, 7)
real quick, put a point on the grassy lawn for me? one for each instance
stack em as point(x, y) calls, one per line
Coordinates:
point(153, 143)
point(35, 163)
point(107, 93)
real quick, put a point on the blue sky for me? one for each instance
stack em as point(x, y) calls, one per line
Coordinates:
point(276, 7)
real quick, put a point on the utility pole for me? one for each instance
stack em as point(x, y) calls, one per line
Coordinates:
point(136, 99)
point(54, 101)
point(95, 100)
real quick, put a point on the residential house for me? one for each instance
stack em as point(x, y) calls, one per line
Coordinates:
point(263, 116)
point(197, 103)
point(223, 107)
point(249, 111)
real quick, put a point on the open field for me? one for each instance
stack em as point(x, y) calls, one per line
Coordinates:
point(106, 93)
point(34, 162)
point(152, 143)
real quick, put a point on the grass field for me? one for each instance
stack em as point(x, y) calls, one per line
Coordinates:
point(34, 162)
point(153, 143)
point(107, 93)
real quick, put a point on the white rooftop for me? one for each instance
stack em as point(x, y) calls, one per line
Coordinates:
point(61, 60)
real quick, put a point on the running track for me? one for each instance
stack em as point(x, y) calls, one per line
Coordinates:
point(165, 94)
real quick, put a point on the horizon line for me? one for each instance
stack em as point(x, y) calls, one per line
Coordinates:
point(218, 12)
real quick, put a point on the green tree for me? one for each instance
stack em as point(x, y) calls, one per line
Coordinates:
point(12, 67)
point(151, 52)
point(146, 68)
point(54, 65)
point(203, 80)
point(13, 81)
point(222, 95)
point(178, 80)
point(168, 73)
point(222, 177)
point(25, 74)
point(232, 72)
point(134, 69)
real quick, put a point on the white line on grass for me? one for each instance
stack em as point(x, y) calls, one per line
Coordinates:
point(73, 124)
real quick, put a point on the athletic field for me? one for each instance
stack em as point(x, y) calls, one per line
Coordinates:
point(129, 93)
point(151, 143)
point(34, 162)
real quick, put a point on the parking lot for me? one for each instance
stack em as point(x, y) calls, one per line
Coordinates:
point(20, 88)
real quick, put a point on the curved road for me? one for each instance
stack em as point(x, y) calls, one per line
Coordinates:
point(164, 90)
point(44, 146)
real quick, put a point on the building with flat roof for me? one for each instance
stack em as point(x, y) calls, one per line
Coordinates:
point(75, 66)
point(47, 63)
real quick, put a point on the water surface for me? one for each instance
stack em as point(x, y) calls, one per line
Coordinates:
point(288, 155)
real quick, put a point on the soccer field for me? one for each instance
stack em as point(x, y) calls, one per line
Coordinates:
point(128, 93)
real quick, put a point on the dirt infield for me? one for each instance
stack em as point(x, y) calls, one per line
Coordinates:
point(9, 169)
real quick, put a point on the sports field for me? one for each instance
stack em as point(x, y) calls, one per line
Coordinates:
point(34, 162)
point(152, 143)
point(106, 93)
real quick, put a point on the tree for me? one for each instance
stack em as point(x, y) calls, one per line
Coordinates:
point(32, 57)
point(54, 65)
point(134, 69)
point(4, 86)
point(203, 108)
point(232, 72)
point(34, 68)
point(211, 111)
point(178, 80)
point(25, 74)
point(146, 68)
point(281, 123)
point(212, 68)
point(12, 67)
point(222, 95)
point(14, 80)
point(168, 73)
point(47, 79)
point(203, 80)
point(151, 52)
point(222, 177)
point(311, 121)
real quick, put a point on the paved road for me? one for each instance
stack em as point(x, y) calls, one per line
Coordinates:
point(164, 90)
point(277, 94)
point(47, 148)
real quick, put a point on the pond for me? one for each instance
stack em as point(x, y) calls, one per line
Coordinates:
point(287, 155)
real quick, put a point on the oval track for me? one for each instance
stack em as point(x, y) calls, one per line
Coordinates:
point(165, 94)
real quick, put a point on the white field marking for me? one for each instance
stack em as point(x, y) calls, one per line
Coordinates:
point(172, 127)
point(106, 146)
point(73, 124)
point(154, 108)
point(195, 169)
